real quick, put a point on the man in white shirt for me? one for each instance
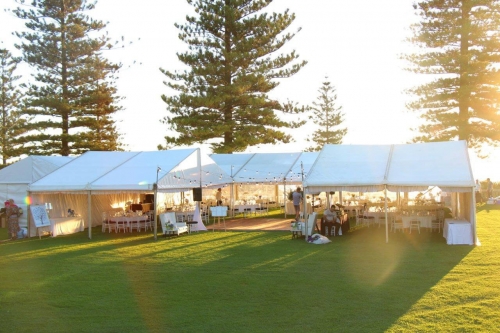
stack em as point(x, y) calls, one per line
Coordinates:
point(330, 220)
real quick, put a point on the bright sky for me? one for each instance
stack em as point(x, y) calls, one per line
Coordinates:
point(355, 43)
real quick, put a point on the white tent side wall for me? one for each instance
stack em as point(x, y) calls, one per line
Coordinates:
point(15, 179)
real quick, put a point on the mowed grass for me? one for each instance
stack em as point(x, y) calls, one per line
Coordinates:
point(252, 282)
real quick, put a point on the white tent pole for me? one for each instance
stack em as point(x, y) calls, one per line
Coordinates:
point(472, 216)
point(158, 169)
point(89, 213)
point(231, 193)
point(386, 221)
point(28, 212)
point(284, 196)
point(304, 201)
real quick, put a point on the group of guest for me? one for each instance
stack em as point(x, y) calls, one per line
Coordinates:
point(333, 217)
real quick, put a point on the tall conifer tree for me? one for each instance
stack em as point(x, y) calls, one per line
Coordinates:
point(233, 64)
point(328, 116)
point(12, 123)
point(73, 95)
point(460, 40)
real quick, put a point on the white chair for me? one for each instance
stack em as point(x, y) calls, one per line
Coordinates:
point(262, 209)
point(368, 219)
point(397, 223)
point(381, 220)
point(360, 218)
point(205, 216)
point(135, 224)
point(174, 227)
point(146, 223)
point(247, 211)
point(105, 222)
point(414, 224)
point(121, 224)
point(436, 223)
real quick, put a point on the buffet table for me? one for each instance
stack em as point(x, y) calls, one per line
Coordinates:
point(66, 225)
point(457, 232)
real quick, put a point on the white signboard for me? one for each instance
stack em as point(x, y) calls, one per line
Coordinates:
point(218, 211)
point(40, 217)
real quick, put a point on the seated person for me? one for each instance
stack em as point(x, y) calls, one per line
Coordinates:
point(329, 220)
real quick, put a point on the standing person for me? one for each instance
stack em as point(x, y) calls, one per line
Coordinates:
point(479, 197)
point(12, 213)
point(490, 188)
point(297, 199)
point(218, 197)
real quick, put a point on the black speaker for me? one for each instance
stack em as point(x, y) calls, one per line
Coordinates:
point(149, 198)
point(197, 194)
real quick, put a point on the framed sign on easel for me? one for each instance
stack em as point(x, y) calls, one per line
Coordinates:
point(40, 218)
point(219, 211)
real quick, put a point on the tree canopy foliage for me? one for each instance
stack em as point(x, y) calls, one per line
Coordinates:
point(12, 122)
point(328, 116)
point(459, 41)
point(233, 63)
point(73, 95)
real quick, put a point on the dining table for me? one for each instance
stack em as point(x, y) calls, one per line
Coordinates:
point(457, 231)
point(66, 225)
point(242, 207)
point(128, 219)
point(425, 220)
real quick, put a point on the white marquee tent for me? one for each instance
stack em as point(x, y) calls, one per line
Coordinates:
point(397, 168)
point(93, 182)
point(15, 178)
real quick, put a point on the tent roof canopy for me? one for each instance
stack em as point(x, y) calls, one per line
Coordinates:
point(133, 171)
point(270, 168)
point(31, 168)
point(404, 167)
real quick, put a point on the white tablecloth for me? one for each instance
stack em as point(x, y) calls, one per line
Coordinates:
point(66, 225)
point(241, 208)
point(379, 215)
point(457, 232)
point(425, 220)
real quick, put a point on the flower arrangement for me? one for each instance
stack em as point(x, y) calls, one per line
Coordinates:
point(169, 226)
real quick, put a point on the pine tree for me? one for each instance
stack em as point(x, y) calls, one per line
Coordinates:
point(460, 40)
point(233, 65)
point(73, 96)
point(328, 117)
point(12, 123)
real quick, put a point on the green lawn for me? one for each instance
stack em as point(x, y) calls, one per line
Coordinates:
point(252, 282)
